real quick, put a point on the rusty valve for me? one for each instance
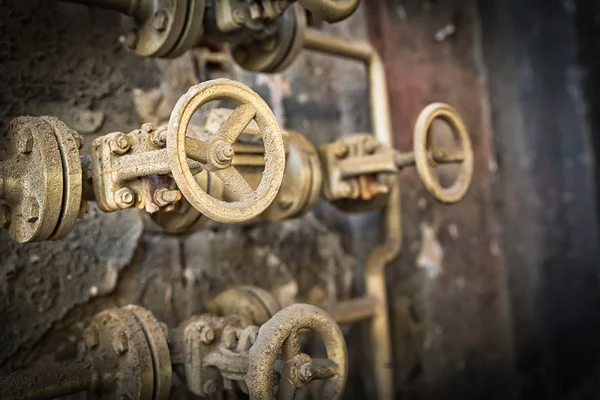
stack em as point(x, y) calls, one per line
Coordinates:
point(355, 167)
point(215, 153)
point(281, 335)
point(126, 167)
point(127, 358)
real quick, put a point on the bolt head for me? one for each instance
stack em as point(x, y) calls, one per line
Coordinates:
point(120, 343)
point(207, 335)
point(91, 337)
point(341, 150)
point(31, 210)
point(371, 145)
point(224, 152)
point(160, 20)
point(306, 371)
point(25, 141)
point(210, 387)
point(124, 198)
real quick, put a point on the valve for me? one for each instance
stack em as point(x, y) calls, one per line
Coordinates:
point(121, 161)
point(127, 358)
point(280, 335)
point(215, 154)
point(427, 158)
point(357, 166)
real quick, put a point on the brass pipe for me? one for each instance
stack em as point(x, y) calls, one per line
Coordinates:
point(355, 310)
point(330, 10)
point(127, 7)
point(47, 383)
point(389, 250)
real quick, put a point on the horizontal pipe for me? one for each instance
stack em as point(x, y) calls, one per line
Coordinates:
point(354, 310)
point(47, 383)
point(127, 7)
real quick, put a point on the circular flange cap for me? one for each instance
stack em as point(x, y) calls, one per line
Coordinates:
point(122, 356)
point(72, 176)
point(427, 161)
point(32, 179)
point(249, 203)
point(161, 358)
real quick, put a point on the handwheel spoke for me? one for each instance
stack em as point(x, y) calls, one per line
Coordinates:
point(237, 185)
point(196, 149)
point(287, 390)
point(324, 368)
point(291, 347)
point(447, 156)
point(237, 122)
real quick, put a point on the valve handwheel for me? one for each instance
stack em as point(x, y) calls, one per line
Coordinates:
point(280, 335)
point(215, 153)
point(428, 158)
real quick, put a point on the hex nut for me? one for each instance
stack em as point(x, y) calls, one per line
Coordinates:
point(341, 150)
point(207, 335)
point(160, 20)
point(306, 371)
point(124, 198)
point(371, 145)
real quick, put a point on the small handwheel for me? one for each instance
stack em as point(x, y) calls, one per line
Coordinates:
point(428, 158)
point(280, 335)
point(215, 153)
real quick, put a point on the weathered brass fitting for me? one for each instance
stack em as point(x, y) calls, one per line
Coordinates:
point(40, 179)
point(127, 357)
point(42, 176)
point(356, 166)
point(130, 355)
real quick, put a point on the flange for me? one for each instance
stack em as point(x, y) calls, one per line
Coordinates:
point(31, 179)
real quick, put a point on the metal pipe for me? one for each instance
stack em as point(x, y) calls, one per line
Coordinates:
point(354, 310)
point(128, 7)
point(330, 10)
point(389, 250)
point(47, 383)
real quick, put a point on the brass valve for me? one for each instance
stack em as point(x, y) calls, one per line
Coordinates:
point(131, 355)
point(356, 166)
point(42, 182)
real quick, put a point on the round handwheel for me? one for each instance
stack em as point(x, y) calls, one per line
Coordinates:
point(215, 153)
point(280, 335)
point(428, 158)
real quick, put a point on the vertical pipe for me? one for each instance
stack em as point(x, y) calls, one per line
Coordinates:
point(389, 250)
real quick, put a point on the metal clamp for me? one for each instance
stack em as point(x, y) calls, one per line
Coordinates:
point(215, 154)
point(280, 335)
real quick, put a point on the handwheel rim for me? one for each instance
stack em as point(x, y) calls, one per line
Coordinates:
point(274, 333)
point(422, 135)
point(236, 211)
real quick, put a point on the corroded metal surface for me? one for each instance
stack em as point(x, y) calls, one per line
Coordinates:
point(251, 302)
point(31, 180)
point(249, 203)
point(69, 143)
point(280, 335)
